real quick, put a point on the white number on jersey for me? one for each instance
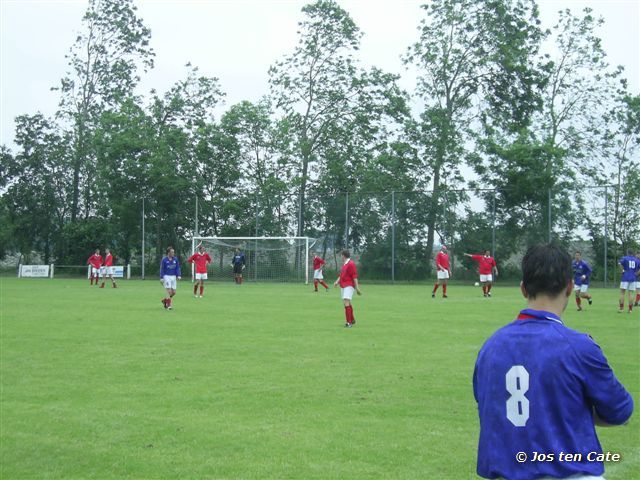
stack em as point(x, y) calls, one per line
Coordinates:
point(517, 380)
point(632, 264)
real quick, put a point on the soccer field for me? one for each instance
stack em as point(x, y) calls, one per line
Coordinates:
point(262, 380)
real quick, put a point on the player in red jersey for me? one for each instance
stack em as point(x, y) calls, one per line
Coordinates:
point(317, 273)
point(486, 268)
point(348, 281)
point(95, 261)
point(108, 268)
point(201, 259)
point(443, 270)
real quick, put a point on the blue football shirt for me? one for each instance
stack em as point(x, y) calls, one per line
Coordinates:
point(238, 259)
point(537, 383)
point(629, 268)
point(579, 269)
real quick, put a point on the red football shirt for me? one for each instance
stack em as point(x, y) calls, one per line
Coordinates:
point(348, 273)
point(485, 264)
point(317, 263)
point(201, 261)
point(442, 261)
point(95, 261)
point(108, 260)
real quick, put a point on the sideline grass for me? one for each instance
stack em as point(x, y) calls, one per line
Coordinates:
point(261, 381)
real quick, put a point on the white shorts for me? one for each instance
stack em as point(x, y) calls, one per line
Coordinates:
point(95, 271)
point(170, 281)
point(486, 278)
point(108, 270)
point(443, 274)
point(628, 286)
point(347, 293)
point(581, 288)
point(317, 274)
point(201, 276)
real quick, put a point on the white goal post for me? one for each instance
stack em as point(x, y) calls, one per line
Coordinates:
point(267, 259)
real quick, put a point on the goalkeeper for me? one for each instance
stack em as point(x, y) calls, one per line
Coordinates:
point(238, 264)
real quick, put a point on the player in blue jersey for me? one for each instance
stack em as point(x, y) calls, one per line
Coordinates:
point(629, 265)
point(238, 264)
point(169, 274)
point(541, 387)
point(581, 276)
point(637, 302)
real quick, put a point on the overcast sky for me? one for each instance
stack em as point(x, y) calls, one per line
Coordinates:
point(237, 41)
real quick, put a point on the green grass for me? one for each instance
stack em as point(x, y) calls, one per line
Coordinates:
point(261, 381)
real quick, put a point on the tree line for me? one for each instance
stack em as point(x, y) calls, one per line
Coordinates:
point(536, 113)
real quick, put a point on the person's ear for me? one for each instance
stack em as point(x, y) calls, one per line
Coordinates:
point(569, 288)
point(523, 290)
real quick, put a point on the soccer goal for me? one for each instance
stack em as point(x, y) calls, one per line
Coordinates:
point(267, 259)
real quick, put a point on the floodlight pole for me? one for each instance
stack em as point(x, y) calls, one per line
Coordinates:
point(606, 232)
point(306, 260)
point(346, 221)
point(142, 238)
point(196, 229)
point(549, 202)
point(493, 225)
point(393, 236)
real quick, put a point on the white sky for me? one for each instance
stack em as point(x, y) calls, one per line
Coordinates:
point(237, 41)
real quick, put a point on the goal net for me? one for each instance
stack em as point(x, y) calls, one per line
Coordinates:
point(267, 259)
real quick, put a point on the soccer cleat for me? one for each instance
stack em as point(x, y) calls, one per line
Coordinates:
point(590, 301)
point(169, 307)
point(115, 286)
point(444, 296)
point(485, 295)
point(621, 311)
point(195, 296)
point(164, 303)
point(433, 295)
point(347, 325)
point(579, 309)
point(102, 286)
point(488, 294)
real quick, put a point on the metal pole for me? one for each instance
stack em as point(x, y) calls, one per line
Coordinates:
point(255, 249)
point(306, 261)
point(606, 233)
point(393, 236)
point(346, 222)
point(142, 238)
point(197, 231)
point(493, 226)
point(549, 202)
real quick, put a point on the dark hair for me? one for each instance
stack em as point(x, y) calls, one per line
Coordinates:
point(346, 253)
point(578, 252)
point(629, 251)
point(546, 269)
point(169, 248)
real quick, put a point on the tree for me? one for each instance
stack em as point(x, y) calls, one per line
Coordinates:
point(324, 95)
point(539, 140)
point(36, 198)
point(104, 61)
point(451, 56)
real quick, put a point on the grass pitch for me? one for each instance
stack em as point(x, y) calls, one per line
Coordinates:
point(261, 381)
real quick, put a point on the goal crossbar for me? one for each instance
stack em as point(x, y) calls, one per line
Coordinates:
point(268, 258)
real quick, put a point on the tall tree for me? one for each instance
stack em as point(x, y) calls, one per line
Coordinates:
point(450, 58)
point(36, 197)
point(104, 61)
point(323, 93)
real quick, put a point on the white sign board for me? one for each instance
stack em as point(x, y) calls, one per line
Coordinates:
point(34, 271)
point(118, 271)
